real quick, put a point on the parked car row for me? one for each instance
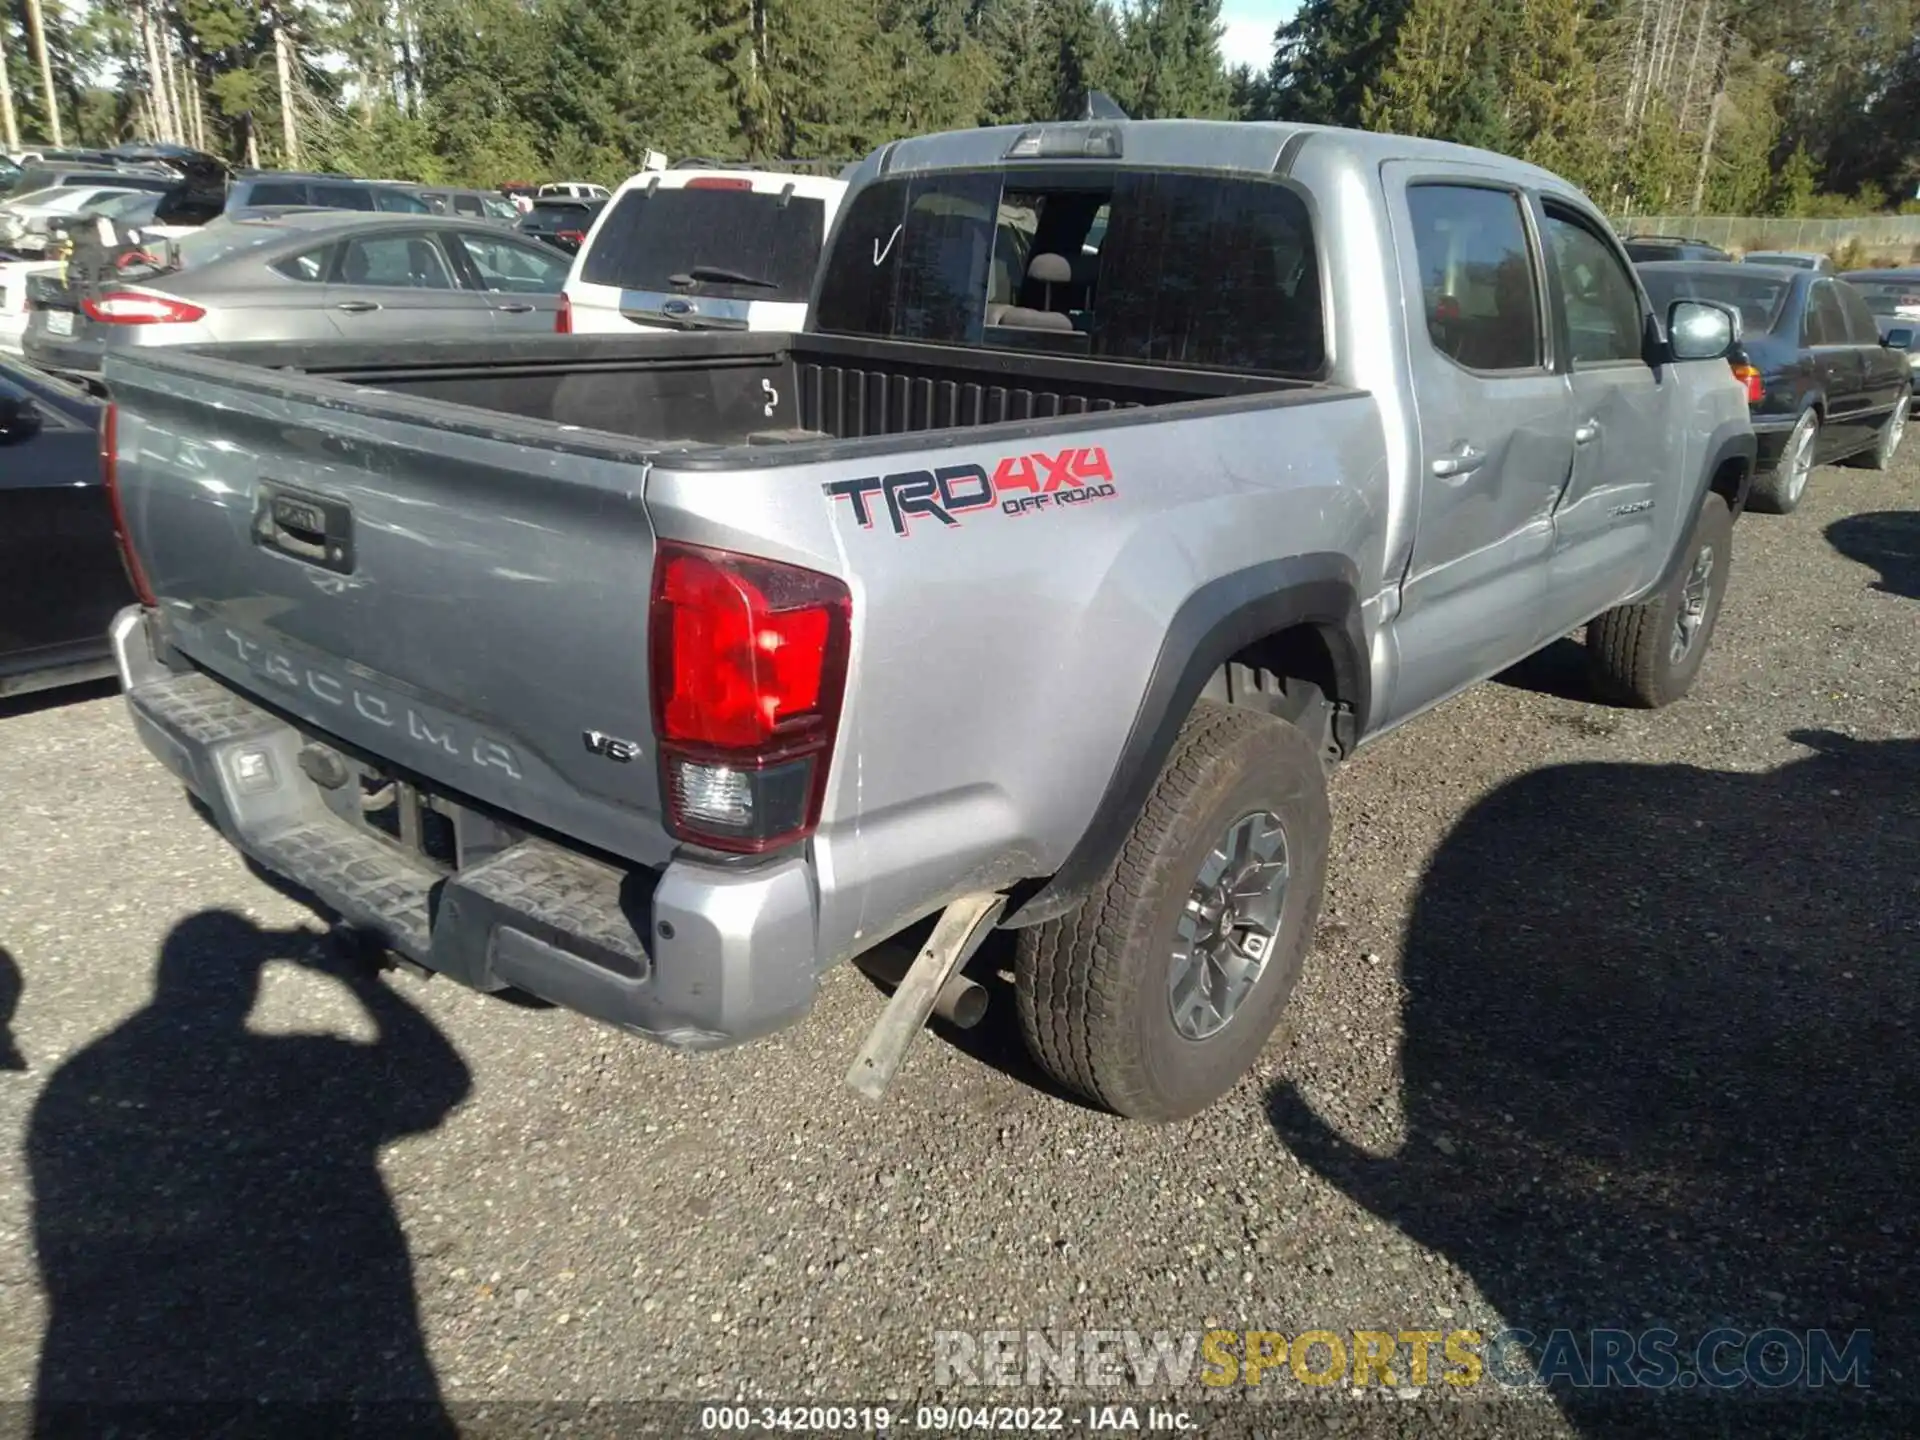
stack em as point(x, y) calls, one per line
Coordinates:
point(1825, 381)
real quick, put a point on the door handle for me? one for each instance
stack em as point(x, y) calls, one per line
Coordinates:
point(516, 308)
point(1463, 459)
point(357, 307)
point(1587, 433)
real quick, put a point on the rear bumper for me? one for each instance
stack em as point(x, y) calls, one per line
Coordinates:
point(693, 956)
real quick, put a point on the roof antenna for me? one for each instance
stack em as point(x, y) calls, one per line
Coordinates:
point(1098, 105)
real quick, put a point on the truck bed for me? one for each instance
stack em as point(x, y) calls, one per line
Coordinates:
point(708, 390)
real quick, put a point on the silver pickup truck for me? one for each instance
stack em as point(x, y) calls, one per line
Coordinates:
point(1129, 476)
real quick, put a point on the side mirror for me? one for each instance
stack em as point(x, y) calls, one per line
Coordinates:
point(1901, 339)
point(1700, 330)
point(19, 417)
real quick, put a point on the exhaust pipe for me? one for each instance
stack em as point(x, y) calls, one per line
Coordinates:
point(962, 1003)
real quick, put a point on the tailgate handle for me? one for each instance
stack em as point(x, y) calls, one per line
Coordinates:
point(311, 528)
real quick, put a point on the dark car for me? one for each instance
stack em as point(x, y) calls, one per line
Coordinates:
point(47, 177)
point(1642, 249)
point(61, 578)
point(1822, 384)
point(561, 221)
point(1894, 298)
point(199, 198)
point(469, 204)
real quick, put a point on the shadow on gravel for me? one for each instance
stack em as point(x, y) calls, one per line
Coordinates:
point(10, 987)
point(1889, 541)
point(35, 701)
point(1559, 670)
point(1660, 1043)
point(207, 1204)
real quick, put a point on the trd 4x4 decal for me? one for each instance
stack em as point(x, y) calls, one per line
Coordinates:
point(1019, 484)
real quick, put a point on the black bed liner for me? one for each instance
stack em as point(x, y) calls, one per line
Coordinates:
point(722, 389)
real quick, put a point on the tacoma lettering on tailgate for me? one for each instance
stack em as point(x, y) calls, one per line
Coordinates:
point(436, 732)
point(1019, 485)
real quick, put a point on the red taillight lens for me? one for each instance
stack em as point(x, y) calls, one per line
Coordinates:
point(110, 476)
point(133, 307)
point(570, 237)
point(563, 317)
point(749, 662)
point(716, 182)
point(1753, 380)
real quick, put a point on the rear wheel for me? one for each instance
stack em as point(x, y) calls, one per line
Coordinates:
point(1650, 654)
point(1891, 433)
point(1157, 994)
point(1778, 491)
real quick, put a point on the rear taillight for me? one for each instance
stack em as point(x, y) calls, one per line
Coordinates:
point(134, 307)
point(110, 476)
point(563, 317)
point(570, 237)
point(1752, 379)
point(749, 661)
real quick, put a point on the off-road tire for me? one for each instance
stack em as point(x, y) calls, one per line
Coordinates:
point(1630, 648)
point(1773, 490)
point(1092, 986)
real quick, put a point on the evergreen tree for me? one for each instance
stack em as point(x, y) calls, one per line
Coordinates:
point(1046, 54)
point(624, 76)
point(1327, 56)
point(1171, 51)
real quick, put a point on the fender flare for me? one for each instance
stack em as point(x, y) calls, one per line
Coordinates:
point(1215, 622)
point(1731, 440)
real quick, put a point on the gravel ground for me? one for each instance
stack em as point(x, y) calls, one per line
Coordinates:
point(1610, 1023)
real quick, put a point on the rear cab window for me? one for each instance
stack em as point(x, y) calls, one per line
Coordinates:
point(1208, 271)
point(720, 234)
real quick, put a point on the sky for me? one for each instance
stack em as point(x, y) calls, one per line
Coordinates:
point(1250, 26)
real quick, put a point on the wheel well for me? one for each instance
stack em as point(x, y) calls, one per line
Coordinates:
point(1296, 674)
point(1730, 481)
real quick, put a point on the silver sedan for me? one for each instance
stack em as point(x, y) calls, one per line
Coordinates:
point(310, 275)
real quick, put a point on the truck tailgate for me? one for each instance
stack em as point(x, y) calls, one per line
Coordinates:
point(393, 573)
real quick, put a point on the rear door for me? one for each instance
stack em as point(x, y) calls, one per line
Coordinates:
point(1495, 423)
point(730, 251)
point(401, 285)
point(1838, 372)
point(522, 282)
point(1883, 372)
point(1622, 482)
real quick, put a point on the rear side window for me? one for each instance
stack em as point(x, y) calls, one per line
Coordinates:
point(343, 197)
point(1145, 267)
point(1477, 279)
point(309, 266)
point(467, 205)
point(401, 202)
point(1826, 322)
point(411, 262)
point(278, 192)
point(754, 246)
point(1862, 329)
point(1604, 322)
